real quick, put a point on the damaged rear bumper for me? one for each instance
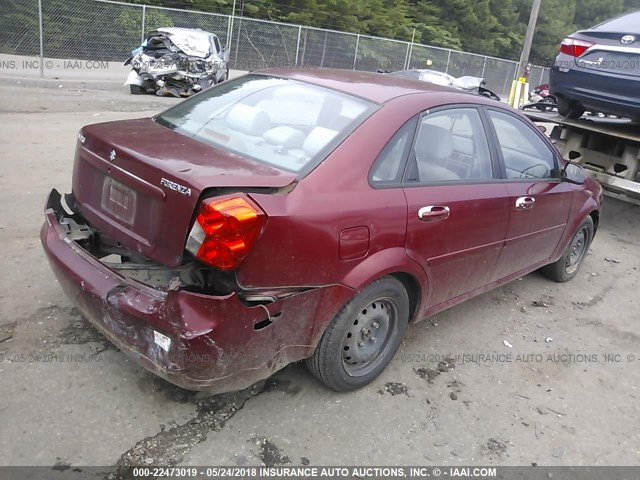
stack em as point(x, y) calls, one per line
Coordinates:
point(193, 340)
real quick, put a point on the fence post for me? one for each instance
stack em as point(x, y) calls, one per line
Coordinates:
point(298, 44)
point(41, 39)
point(484, 66)
point(541, 76)
point(406, 56)
point(144, 17)
point(446, 70)
point(229, 33)
point(235, 62)
point(355, 55)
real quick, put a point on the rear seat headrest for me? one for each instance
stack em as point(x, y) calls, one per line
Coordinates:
point(317, 139)
point(248, 120)
point(284, 136)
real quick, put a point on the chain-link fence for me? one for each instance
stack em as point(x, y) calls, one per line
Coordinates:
point(108, 30)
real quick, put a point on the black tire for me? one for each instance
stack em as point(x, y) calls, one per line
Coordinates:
point(347, 357)
point(137, 90)
point(569, 263)
point(570, 109)
point(549, 104)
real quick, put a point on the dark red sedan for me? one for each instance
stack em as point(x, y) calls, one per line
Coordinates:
point(290, 215)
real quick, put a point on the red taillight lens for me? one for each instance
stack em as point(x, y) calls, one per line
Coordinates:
point(224, 231)
point(574, 47)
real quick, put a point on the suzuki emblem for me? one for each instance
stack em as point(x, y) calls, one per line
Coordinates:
point(112, 155)
point(627, 39)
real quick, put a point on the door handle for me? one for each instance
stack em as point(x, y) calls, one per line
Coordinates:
point(524, 203)
point(432, 213)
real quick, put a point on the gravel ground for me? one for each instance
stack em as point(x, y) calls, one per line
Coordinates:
point(565, 392)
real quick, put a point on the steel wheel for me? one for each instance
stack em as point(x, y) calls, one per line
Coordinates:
point(577, 250)
point(368, 336)
point(363, 336)
point(567, 266)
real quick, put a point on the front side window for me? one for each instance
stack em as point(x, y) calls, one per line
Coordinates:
point(451, 145)
point(281, 122)
point(525, 154)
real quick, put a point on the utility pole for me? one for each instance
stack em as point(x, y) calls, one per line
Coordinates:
point(528, 39)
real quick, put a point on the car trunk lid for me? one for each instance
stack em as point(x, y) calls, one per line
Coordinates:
point(610, 54)
point(139, 183)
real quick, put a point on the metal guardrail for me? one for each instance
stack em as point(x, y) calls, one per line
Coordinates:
point(108, 30)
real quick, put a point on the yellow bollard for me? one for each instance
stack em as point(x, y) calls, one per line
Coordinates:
point(519, 93)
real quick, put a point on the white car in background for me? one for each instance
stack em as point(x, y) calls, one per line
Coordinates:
point(178, 62)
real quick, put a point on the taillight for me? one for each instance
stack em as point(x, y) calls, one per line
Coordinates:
point(224, 231)
point(574, 47)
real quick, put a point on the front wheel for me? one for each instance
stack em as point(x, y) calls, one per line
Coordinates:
point(136, 89)
point(569, 263)
point(363, 337)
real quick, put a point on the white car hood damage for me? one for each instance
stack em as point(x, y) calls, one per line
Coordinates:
point(192, 42)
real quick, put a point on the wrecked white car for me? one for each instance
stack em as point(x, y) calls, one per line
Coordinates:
point(178, 62)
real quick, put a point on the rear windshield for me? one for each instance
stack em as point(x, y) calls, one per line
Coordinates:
point(282, 122)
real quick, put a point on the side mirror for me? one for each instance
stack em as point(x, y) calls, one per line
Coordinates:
point(542, 128)
point(573, 155)
point(573, 173)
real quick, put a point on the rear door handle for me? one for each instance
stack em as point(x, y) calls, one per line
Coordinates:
point(524, 203)
point(432, 213)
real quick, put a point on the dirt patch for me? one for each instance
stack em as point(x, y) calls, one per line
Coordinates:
point(456, 388)
point(276, 384)
point(430, 374)
point(79, 331)
point(169, 447)
point(6, 333)
point(152, 385)
point(45, 330)
point(270, 453)
point(394, 388)
point(494, 447)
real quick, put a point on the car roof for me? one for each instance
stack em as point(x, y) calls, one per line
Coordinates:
point(184, 31)
point(375, 87)
point(626, 23)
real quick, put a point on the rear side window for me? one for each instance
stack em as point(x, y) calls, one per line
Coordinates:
point(389, 167)
point(524, 153)
point(281, 122)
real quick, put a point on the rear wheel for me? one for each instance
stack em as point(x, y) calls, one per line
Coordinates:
point(363, 337)
point(569, 263)
point(570, 109)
